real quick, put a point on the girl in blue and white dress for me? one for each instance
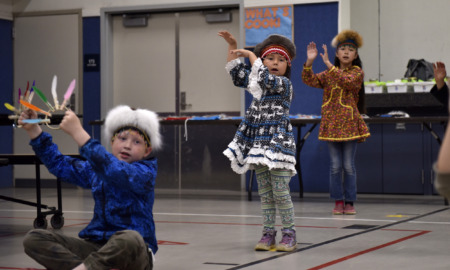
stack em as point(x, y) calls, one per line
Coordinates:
point(264, 141)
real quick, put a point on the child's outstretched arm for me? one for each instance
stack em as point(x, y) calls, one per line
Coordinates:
point(232, 44)
point(245, 53)
point(71, 125)
point(33, 130)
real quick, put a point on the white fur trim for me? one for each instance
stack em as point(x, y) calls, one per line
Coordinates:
point(334, 42)
point(153, 255)
point(253, 86)
point(241, 165)
point(145, 120)
point(233, 63)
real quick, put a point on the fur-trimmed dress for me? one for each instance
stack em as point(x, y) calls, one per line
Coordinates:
point(265, 136)
point(341, 120)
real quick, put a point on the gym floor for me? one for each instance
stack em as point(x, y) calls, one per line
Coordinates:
point(217, 230)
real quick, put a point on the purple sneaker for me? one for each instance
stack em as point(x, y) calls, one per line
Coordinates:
point(267, 241)
point(289, 240)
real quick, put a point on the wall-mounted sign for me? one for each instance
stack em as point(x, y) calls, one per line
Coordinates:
point(263, 21)
point(91, 62)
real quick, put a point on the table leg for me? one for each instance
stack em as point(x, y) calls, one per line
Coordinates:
point(300, 143)
point(250, 185)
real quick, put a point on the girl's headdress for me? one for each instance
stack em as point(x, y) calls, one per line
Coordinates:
point(143, 121)
point(276, 44)
point(347, 37)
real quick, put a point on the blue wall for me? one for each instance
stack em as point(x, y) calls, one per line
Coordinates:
point(91, 79)
point(318, 23)
point(6, 90)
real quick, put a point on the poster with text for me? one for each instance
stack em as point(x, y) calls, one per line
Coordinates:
point(261, 22)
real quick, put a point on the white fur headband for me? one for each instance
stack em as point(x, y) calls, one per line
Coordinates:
point(145, 120)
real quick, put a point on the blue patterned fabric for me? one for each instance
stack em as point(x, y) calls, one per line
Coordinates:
point(265, 136)
point(123, 193)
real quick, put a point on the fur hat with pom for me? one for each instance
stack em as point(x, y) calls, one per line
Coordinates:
point(145, 121)
point(276, 43)
point(347, 37)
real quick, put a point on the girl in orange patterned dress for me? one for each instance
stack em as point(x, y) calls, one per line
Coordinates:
point(342, 125)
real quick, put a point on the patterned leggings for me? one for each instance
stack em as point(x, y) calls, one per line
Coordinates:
point(273, 189)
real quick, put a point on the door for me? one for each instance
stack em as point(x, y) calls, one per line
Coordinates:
point(176, 65)
point(203, 79)
point(144, 63)
point(147, 60)
point(46, 45)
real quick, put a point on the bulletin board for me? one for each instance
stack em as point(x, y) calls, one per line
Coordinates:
point(260, 22)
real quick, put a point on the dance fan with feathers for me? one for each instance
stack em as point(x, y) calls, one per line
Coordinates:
point(26, 99)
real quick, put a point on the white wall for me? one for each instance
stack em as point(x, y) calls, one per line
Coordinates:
point(92, 7)
point(407, 28)
point(396, 31)
point(364, 19)
point(6, 9)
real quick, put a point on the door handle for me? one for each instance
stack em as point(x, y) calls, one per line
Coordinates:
point(183, 104)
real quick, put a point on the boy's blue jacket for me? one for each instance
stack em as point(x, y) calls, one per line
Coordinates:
point(123, 193)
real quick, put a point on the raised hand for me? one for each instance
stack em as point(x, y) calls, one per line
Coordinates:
point(33, 130)
point(241, 53)
point(311, 53)
point(71, 125)
point(229, 38)
point(244, 53)
point(232, 44)
point(324, 55)
point(439, 74)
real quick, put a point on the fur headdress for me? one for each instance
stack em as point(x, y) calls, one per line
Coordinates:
point(278, 44)
point(144, 121)
point(347, 37)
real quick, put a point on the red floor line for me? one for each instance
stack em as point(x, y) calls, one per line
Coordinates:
point(367, 251)
point(79, 224)
point(15, 268)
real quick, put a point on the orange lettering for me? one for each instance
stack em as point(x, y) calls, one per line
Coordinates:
point(248, 24)
point(259, 13)
point(286, 12)
point(266, 23)
point(277, 23)
point(274, 11)
point(257, 23)
point(267, 13)
point(252, 13)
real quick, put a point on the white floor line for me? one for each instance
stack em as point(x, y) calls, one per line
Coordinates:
point(343, 218)
point(257, 216)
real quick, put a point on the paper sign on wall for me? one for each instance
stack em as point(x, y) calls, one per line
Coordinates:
point(264, 21)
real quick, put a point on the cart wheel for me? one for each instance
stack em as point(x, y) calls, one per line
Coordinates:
point(57, 221)
point(40, 223)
